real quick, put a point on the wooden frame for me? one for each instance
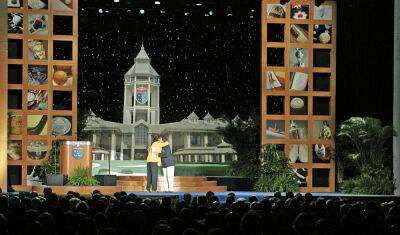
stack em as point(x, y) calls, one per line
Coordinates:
point(310, 118)
point(24, 86)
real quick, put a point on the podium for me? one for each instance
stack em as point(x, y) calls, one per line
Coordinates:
point(74, 154)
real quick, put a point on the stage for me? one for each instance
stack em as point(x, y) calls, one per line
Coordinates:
point(110, 190)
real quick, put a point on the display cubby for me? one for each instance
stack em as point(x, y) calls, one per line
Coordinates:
point(298, 87)
point(42, 88)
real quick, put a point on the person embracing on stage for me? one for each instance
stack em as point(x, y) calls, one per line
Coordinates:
point(153, 161)
point(168, 165)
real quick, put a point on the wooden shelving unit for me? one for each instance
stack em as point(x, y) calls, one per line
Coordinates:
point(62, 50)
point(281, 35)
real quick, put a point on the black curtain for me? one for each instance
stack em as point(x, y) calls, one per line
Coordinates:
point(364, 59)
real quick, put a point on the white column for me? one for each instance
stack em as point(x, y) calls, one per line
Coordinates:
point(181, 158)
point(205, 139)
point(188, 144)
point(396, 98)
point(102, 157)
point(235, 157)
point(149, 138)
point(133, 146)
point(122, 147)
point(222, 158)
point(113, 145)
point(189, 158)
point(170, 140)
point(196, 158)
point(94, 139)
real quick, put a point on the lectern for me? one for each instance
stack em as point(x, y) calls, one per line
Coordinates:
point(74, 154)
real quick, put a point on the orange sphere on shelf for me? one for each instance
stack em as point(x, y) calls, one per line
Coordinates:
point(60, 77)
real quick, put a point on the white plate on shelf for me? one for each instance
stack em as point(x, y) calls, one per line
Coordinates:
point(61, 125)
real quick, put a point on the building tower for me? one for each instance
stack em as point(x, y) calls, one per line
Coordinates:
point(142, 92)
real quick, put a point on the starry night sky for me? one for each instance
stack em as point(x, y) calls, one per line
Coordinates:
point(205, 63)
point(213, 63)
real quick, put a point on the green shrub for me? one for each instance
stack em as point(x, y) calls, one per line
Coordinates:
point(276, 174)
point(367, 184)
point(282, 183)
point(82, 177)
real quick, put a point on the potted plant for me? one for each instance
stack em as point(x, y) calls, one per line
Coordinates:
point(50, 169)
point(82, 177)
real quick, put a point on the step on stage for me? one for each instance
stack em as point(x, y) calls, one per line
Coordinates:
point(138, 184)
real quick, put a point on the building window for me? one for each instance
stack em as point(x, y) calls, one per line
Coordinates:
point(141, 133)
point(196, 140)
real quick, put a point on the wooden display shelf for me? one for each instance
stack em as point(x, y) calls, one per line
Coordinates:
point(49, 62)
point(309, 93)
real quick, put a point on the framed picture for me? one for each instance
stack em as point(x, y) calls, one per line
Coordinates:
point(62, 5)
point(62, 75)
point(37, 124)
point(37, 75)
point(298, 33)
point(299, 57)
point(276, 11)
point(298, 81)
point(37, 49)
point(15, 22)
point(15, 124)
point(38, 4)
point(38, 24)
point(62, 125)
point(299, 12)
point(37, 149)
point(37, 99)
point(14, 3)
point(276, 80)
point(14, 150)
point(323, 12)
point(275, 129)
point(322, 33)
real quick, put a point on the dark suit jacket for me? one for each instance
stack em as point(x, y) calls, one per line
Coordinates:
point(166, 157)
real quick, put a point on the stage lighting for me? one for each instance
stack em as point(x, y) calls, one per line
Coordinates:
point(116, 0)
point(141, 11)
point(229, 14)
point(319, 2)
point(283, 2)
point(100, 10)
point(252, 10)
point(198, 4)
point(186, 13)
point(157, 3)
point(162, 12)
point(210, 13)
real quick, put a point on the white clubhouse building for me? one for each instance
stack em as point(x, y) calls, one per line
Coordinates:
point(192, 139)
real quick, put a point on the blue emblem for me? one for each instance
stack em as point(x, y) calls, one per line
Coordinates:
point(78, 152)
point(142, 95)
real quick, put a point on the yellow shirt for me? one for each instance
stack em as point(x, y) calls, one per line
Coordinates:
point(154, 150)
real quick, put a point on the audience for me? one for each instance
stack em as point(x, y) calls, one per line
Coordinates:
point(122, 213)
